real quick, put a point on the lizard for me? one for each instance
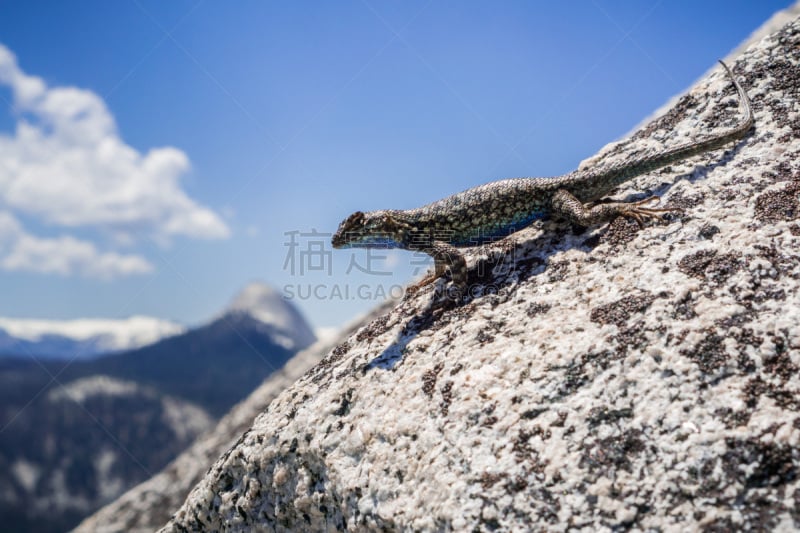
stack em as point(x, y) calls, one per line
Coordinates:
point(500, 208)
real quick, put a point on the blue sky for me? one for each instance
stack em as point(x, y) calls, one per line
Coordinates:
point(169, 150)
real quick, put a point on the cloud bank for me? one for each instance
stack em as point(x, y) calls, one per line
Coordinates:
point(66, 166)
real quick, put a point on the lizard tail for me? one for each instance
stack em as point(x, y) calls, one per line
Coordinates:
point(610, 178)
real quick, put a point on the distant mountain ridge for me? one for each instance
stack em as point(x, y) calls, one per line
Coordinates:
point(87, 338)
point(58, 463)
point(151, 401)
point(81, 338)
point(217, 364)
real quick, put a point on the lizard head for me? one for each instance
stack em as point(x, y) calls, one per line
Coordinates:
point(375, 229)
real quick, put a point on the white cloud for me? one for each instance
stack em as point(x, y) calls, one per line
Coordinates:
point(63, 255)
point(67, 256)
point(66, 165)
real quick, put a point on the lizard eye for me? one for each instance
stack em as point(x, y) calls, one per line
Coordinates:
point(355, 219)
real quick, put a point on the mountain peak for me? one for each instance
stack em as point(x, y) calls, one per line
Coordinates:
point(265, 304)
point(254, 297)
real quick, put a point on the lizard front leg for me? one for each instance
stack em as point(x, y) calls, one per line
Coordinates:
point(440, 268)
point(565, 205)
point(445, 257)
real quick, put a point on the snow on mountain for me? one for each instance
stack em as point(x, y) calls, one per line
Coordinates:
point(87, 337)
point(82, 389)
point(81, 337)
point(266, 305)
point(184, 419)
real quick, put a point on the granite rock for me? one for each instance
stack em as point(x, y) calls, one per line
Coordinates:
point(603, 379)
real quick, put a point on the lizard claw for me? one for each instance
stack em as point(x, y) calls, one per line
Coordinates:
point(639, 213)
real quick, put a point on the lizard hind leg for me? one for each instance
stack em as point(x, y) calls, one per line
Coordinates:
point(565, 205)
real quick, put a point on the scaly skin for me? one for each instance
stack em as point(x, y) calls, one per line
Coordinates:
point(500, 208)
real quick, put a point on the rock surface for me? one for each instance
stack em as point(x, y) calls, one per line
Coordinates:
point(619, 378)
point(150, 504)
